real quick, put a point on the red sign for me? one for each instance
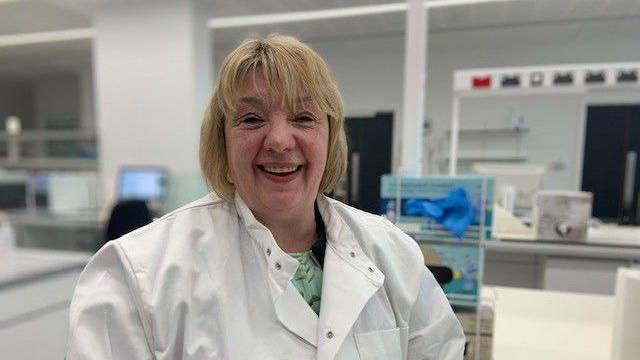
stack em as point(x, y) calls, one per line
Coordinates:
point(481, 82)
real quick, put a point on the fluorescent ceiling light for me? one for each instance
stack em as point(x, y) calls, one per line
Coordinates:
point(280, 18)
point(45, 37)
point(445, 3)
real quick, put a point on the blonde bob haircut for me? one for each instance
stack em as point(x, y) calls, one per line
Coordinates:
point(292, 70)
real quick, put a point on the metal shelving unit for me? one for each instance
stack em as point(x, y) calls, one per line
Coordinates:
point(16, 142)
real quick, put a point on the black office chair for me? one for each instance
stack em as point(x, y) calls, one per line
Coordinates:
point(442, 274)
point(126, 216)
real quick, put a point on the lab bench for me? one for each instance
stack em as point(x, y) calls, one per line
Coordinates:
point(36, 287)
point(585, 267)
point(71, 232)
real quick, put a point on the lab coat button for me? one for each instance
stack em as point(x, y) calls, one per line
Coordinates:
point(352, 254)
point(278, 266)
point(370, 269)
point(330, 335)
point(268, 252)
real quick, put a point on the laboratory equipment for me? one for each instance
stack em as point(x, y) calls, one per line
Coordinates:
point(148, 183)
point(524, 179)
point(562, 215)
point(72, 192)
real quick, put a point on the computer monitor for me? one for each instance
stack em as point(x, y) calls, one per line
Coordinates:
point(143, 183)
point(525, 179)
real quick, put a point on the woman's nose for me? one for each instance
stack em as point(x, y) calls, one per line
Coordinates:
point(279, 136)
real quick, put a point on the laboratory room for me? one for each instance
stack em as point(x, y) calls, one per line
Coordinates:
point(320, 179)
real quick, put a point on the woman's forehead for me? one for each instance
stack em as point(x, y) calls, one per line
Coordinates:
point(255, 84)
point(264, 97)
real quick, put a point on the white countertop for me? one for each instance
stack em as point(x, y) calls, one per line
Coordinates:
point(550, 325)
point(89, 219)
point(627, 249)
point(22, 265)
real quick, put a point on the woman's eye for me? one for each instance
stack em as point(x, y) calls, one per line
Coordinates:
point(305, 119)
point(251, 121)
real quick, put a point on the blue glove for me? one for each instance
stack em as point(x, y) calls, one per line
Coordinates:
point(454, 212)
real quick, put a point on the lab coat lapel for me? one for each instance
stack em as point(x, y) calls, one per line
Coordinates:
point(350, 279)
point(290, 308)
point(296, 315)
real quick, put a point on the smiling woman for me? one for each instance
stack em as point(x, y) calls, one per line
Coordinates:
point(258, 74)
point(265, 266)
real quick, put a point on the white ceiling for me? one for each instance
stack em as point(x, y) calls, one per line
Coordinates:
point(504, 13)
point(23, 16)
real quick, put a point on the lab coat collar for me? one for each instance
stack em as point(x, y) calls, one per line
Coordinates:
point(350, 279)
point(342, 240)
point(290, 308)
point(281, 266)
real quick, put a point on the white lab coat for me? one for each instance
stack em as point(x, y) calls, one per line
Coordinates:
point(208, 281)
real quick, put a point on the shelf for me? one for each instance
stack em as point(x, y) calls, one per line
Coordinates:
point(50, 135)
point(422, 239)
point(489, 158)
point(463, 303)
point(471, 131)
point(50, 164)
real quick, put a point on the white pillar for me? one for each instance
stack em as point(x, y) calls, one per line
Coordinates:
point(86, 99)
point(152, 64)
point(415, 75)
point(455, 133)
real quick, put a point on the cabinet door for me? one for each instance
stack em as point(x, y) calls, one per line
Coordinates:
point(369, 158)
point(612, 143)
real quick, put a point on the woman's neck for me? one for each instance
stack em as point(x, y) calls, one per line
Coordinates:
point(292, 233)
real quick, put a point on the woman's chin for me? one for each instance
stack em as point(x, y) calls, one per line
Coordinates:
point(282, 201)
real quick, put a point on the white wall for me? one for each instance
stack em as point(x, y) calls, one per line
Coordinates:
point(151, 67)
point(369, 72)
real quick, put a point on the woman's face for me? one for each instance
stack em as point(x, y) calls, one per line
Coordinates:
point(276, 157)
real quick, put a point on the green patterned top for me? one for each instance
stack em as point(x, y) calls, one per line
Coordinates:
point(308, 279)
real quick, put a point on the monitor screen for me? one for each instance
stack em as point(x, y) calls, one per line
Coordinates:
point(142, 183)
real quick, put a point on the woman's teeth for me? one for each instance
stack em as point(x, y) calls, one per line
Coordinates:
point(280, 170)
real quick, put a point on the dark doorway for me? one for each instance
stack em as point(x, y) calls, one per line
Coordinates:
point(369, 158)
point(610, 164)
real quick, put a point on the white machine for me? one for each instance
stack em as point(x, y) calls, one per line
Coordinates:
point(516, 184)
point(562, 215)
